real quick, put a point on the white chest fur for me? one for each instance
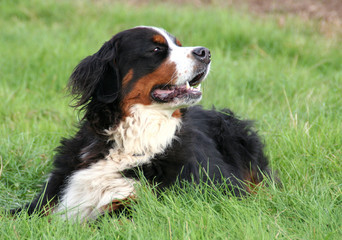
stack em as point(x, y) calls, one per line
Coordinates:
point(149, 130)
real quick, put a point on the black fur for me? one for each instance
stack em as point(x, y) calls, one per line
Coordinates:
point(217, 144)
point(222, 147)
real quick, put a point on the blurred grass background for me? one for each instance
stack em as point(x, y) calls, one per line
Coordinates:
point(287, 75)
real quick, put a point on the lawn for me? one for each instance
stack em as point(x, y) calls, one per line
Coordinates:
point(287, 77)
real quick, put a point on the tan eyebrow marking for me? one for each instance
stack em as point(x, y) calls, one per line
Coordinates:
point(178, 43)
point(159, 39)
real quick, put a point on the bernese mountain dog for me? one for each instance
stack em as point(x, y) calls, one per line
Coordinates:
point(137, 94)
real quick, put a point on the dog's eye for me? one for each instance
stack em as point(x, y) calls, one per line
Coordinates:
point(157, 49)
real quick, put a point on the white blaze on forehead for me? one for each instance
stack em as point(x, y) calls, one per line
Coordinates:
point(181, 56)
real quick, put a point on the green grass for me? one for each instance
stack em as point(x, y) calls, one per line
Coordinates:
point(288, 78)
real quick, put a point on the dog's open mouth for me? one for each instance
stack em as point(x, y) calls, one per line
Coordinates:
point(190, 90)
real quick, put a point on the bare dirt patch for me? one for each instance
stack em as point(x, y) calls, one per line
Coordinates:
point(330, 10)
point(327, 13)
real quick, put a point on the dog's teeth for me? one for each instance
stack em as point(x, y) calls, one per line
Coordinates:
point(199, 87)
point(187, 85)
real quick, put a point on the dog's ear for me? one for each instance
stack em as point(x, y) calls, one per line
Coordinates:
point(97, 76)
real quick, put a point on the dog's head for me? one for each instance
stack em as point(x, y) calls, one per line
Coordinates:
point(143, 65)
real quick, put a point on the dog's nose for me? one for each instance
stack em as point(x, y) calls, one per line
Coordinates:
point(202, 54)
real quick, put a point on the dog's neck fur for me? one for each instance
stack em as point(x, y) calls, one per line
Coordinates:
point(149, 130)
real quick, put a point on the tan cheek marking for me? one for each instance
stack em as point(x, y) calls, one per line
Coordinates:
point(159, 39)
point(140, 94)
point(128, 77)
point(177, 114)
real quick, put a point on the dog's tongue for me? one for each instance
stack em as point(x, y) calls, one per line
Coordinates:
point(166, 95)
point(163, 93)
